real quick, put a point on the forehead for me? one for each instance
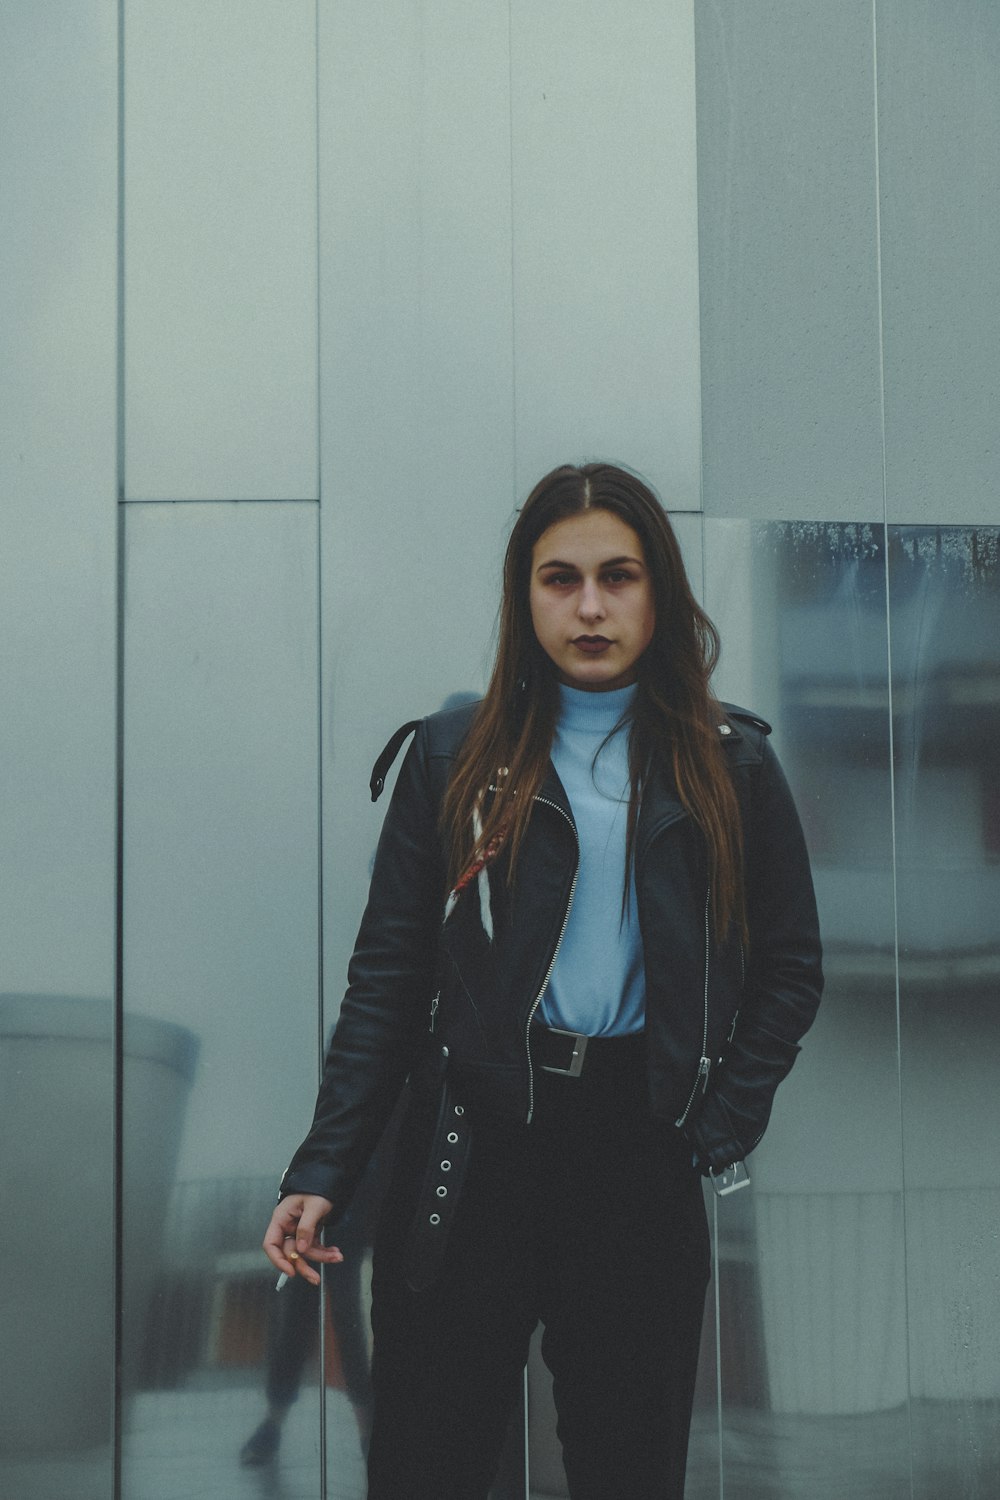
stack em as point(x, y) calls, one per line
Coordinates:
point(591, 537)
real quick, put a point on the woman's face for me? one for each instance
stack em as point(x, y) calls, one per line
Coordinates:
point(591, 600)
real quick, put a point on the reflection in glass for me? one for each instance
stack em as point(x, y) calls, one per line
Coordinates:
point(810, 1264)
point(56, 1265)
point(220, 955)
point(944, 585)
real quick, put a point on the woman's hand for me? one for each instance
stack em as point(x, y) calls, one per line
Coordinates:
point(293, 1235)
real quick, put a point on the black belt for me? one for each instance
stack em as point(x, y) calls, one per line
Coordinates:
point(574, 1055)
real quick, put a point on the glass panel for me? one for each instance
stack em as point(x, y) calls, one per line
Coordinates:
point(945, 615)
point(789, 275)
point(605, 218)
point(220, 250)
point(813, 1345)
point(58, 409)
point(220, 987)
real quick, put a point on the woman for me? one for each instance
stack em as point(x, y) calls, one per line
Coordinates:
point(591, 946)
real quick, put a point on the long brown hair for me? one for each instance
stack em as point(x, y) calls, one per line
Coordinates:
point(675, 719)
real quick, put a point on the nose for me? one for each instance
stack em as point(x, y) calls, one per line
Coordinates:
point(591, 603)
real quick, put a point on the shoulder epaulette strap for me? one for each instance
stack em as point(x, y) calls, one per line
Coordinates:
point(733, 711)
point(383, 765)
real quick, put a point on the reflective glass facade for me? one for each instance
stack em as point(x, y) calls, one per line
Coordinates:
point(299, 306)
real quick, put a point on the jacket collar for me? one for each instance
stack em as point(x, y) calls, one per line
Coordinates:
point(552, 790)
point(661, 805)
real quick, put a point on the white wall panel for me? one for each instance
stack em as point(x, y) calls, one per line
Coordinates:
point(58, 154)
point(688, 529)
point(939, 123)
point(606, 239)
point(417, 420)
point(220, 249)
point(789, 264)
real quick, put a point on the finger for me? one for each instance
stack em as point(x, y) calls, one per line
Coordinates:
point(276, 1255)
point(288, 1259)
point(328, 1254)
point(307, 1232)
point(279, 1258)
point(300, 1266)
point(279, 1239)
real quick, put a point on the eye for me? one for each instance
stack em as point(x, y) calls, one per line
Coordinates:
point(619, 575)
point(560, 580)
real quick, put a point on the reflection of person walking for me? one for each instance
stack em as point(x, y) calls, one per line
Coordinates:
point(292, 1336)
point(293, 1325)
point(591, 947)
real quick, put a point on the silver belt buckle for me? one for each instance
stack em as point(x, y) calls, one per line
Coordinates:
point(579, 1052)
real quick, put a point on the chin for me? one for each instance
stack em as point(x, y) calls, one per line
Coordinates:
point(598, 682)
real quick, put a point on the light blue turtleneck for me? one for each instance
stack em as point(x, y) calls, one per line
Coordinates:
point(597, 985)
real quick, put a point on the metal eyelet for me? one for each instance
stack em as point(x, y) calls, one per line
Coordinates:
point(435, 1218)
point(442, 1191)
point(452, 1137)
point(459, 1110)
point(446, 1166)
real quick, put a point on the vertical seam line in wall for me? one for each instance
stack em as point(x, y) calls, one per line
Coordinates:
point(118, 1000)
point(319, 692)
point(319, 567)
point(716, 1299)
point(514, 498)
point(513, 285)
point(697, 265)
point(892, 742)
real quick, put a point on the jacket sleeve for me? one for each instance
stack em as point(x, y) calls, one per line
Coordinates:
point(784, 980)
point(383, 1017)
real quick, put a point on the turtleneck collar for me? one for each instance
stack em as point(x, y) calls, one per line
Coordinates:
point(594, 713)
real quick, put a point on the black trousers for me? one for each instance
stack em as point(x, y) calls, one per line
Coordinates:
point(590, 1220)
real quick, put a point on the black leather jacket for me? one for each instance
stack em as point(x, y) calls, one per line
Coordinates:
point(723, 1027)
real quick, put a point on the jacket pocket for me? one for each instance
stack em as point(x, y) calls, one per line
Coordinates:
point(737, 1107)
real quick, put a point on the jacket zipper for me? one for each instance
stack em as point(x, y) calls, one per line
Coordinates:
point(743, 983)
point(705, 1064)
point(555, 955)
point(434, 1010)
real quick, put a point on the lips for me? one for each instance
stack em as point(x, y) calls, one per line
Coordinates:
point(591, 644)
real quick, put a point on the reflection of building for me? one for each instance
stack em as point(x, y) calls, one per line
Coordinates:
point(858, 1237)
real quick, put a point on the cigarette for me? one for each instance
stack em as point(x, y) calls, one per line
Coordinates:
point(281, 1281)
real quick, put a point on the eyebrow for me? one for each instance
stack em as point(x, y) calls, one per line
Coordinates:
point(610, 562)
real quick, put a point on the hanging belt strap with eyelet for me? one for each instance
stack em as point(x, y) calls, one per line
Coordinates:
point(440, 1191)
